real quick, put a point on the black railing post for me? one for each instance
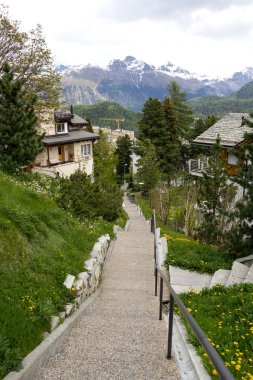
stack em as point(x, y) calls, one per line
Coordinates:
point(156, 280)
point(161, 300)
point(170, 327)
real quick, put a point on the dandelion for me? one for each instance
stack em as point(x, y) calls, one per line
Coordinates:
point(215, 372)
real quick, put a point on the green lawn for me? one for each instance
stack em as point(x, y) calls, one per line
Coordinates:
point(185, 252)
point(226, 317)
point(39, 245)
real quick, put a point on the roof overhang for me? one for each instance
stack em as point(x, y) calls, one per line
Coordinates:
point(68, 138)
point(210, 143)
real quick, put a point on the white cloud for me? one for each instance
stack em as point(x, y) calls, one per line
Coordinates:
point(213, 37)
point(132, 10)
point(235, 22)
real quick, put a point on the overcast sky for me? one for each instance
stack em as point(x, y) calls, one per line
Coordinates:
point(213, 37)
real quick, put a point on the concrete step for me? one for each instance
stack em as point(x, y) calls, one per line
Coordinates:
point(183, 280)
point(237, 274)
point(220, 277)
point(249, 276)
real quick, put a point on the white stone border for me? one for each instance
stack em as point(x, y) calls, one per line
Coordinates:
point(86, 288)
point(189, 362)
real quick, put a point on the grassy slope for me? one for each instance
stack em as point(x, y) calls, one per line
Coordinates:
point(226, 316)
point(39, 245)
point(185, 252)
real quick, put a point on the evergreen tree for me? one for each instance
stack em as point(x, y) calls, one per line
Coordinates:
point(123, 152)
point(88, 127)
point(214, 198)
point(19, 140)
point(104, 161)
point(240, 237)
point(148, 173)
point(152, 123)
point(170, 148)
point(184, 114)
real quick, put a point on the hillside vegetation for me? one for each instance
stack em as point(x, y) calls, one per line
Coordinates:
point(39, 245)
point(220, 106)
point(109, 109)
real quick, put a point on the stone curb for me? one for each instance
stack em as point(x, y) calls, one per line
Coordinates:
point(39, 356)
point(189, 362)
point(127, 225)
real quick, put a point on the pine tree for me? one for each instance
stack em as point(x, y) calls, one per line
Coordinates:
point(240, 237)
point(19, 140)
point(170, 148)
point(123, 152)
point(89, 127)
point(214, 198)
point(152, 123)
point(184, 113)
point(148, 173)
point(104, 161)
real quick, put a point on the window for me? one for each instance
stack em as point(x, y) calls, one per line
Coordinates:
point(232, 159)
point(86, 149)
point(61, 128)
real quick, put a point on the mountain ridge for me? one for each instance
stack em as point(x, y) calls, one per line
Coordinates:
point(130, 82)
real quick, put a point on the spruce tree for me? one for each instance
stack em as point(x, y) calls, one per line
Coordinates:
point(170, 148)
point(240, 237)
point(184, 113)
point(148, 173)
point(19, 140)
point(123, 152)
point(214, 198)
point(152, 123)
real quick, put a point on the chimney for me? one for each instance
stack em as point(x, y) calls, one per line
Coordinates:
point(243, 121)
point(71, 111)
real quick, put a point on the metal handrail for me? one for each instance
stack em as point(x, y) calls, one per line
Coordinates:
point(213, 355)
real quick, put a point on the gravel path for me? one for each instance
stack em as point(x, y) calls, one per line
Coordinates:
point(119, 336)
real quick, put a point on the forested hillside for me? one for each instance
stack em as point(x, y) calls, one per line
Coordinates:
point(246, 92)
point(215, 105)
point(109, 109)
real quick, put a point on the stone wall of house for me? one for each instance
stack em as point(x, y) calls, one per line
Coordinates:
point(49, 126)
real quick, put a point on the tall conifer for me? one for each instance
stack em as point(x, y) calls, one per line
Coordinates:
point(19, 140)
point(240, 240)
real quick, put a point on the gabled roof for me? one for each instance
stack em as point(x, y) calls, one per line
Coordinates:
point(68, 138)
point(73, 119)
point(78, 121)
point(229, 129)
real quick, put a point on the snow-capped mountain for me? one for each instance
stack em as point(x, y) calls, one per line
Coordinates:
point(131, 82)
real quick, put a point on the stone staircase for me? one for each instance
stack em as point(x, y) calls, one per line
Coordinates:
point(185, 281)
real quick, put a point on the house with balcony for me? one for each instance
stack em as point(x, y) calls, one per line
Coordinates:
point(67, 146)
point(231, 131)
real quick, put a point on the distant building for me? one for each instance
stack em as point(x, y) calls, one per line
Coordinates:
point(114, 134)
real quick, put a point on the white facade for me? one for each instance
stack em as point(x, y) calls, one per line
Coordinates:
point(67, 147)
